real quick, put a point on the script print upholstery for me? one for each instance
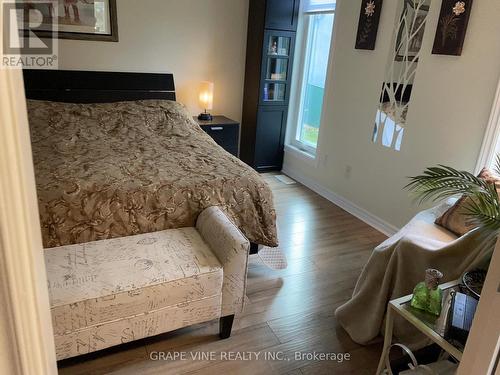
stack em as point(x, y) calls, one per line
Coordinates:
point(108, 292)
point(231, 248)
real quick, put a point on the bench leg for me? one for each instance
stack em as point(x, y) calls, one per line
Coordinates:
point(254, 248)
point(225, 326)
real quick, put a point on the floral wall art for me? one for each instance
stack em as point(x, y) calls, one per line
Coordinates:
point(369, 18)
point(452, 27)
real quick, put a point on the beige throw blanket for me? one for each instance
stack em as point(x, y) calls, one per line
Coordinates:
point(397, 265)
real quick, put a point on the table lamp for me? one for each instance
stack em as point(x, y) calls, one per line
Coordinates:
point(206, 99)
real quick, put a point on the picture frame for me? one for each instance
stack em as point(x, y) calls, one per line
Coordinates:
point(369, 18)
point(76, 19)
point(420, 15)
point(452, 27)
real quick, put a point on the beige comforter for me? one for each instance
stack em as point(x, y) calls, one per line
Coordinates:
point(112, 170)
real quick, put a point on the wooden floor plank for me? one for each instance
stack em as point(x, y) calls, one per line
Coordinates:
point(288, 311)
point(363, 361)
point(252, 339)
point(111, 360)
point(325, 341)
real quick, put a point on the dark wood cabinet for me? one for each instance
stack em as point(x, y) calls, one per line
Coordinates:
point(282, 14)
point(270, 136)
point(270, 50)
point(224, 131)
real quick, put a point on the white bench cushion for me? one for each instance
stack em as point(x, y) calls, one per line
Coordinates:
point(152, 282)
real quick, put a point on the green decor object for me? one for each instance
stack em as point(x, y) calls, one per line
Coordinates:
point(427, 295)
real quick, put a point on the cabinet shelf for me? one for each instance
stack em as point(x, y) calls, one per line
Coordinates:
point(275, 56)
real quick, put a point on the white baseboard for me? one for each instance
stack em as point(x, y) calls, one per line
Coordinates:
point(360, 213)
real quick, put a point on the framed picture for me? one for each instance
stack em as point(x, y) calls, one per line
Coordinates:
point(412, 22)
point(75, 19)
point(452, 27)
point(369, 18)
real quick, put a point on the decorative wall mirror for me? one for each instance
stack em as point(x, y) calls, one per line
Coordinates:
point(395, 98)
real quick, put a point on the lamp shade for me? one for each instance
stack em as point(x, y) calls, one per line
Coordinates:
point(206, 95)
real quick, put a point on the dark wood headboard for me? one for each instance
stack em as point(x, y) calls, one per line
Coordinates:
point(75, 86)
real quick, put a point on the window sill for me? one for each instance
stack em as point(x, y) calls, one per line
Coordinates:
point(305, 156)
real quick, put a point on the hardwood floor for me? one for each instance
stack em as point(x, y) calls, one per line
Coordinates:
point(287, 311)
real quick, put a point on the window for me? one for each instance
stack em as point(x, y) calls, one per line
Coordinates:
point(317, 28)
point(491, 142)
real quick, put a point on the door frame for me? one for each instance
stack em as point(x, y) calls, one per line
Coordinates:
point(491, 136)
point(26, 336)
point(481, 353)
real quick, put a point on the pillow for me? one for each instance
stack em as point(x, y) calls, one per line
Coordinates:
point(455, 219)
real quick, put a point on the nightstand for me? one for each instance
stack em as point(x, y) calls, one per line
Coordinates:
point(224, 131)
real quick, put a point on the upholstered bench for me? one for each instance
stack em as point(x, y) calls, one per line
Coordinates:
point(109, 292)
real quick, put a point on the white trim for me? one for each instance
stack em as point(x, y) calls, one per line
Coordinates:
point(492, 135)
point(319, 11)
point(23, 282)
point(298, 80)
point(362, 214)
point(307, 157)
point(26, 337)
point(308, 8)
point(298, 86)
point(483, 345)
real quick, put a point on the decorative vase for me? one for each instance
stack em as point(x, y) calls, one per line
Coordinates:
point(427, 295)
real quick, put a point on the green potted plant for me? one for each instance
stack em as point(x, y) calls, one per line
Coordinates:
point(481, 205)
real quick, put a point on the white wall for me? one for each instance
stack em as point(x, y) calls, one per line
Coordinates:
point(451, 103)
point(196, 40)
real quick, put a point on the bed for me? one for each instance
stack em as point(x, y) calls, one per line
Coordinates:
point(115, 155)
